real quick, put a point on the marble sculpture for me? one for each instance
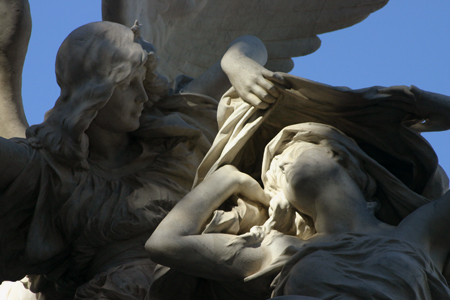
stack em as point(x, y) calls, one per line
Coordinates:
point(210, 174)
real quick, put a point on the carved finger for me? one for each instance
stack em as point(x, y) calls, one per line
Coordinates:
point(255, 101)
point(263, 94)
point(275, 77)
point(278, 78)
point(269, 87)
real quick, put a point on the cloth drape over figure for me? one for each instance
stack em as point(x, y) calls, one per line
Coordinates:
point(381, 120)
point(377, 118)
point(415, 277)
point(68, 222)
point(120, 147)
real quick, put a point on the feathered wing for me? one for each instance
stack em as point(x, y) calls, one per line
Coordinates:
point(192, 35)
point(15, 24)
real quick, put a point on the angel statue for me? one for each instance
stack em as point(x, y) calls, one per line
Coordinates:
point(83, 191)
point(190, 36)
point(340, 204)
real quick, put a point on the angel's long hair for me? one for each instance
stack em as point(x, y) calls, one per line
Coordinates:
point(90, 63)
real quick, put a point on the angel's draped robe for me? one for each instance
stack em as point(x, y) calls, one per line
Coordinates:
point(90, 226)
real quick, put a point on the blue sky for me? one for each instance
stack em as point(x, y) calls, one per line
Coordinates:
point(405, 43)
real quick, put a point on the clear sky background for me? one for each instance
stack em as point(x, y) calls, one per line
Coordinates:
point(405, 43)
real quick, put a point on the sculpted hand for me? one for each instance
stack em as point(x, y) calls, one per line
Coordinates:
point(255, 84)
point(435, 110)
point(431, 111)
point(243, 64)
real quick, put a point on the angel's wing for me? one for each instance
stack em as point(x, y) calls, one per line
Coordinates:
point(192, 35)
point(15, 24)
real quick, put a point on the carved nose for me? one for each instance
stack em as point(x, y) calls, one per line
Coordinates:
point(142, 97)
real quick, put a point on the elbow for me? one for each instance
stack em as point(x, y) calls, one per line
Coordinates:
point(149, 245)
point(160, 249)
point(155, 248)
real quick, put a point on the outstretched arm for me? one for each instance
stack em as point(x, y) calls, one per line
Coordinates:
point(242, 67)
point(15, 24)
point(179, 244)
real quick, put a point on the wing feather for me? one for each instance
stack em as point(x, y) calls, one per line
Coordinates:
point(192, 35)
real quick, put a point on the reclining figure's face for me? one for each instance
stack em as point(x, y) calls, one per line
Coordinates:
point(312, 171)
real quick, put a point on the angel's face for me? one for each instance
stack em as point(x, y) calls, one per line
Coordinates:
point(122, 111)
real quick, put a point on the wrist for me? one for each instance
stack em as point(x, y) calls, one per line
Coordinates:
point(230, 177)
point(230, 63)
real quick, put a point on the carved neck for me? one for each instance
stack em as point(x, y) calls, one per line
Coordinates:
point(343, 214)
point(111, 149)
point(341, 207)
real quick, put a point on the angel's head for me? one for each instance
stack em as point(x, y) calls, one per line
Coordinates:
point(92, 64)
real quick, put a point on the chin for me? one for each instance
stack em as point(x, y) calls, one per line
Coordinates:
point(134, 128)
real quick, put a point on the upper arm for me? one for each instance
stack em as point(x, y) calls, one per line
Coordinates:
point(429, 225)
point(13, 158)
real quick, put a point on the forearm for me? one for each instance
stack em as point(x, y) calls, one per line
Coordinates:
point(189, 216)
point(194, 210)
point(242, 49)
point(178, 242)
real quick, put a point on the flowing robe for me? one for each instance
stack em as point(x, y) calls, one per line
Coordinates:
point(90, 226)
point(358, 266)
point(376, 118)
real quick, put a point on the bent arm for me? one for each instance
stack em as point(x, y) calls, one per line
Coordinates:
point(13, 158)
point(179, 244)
